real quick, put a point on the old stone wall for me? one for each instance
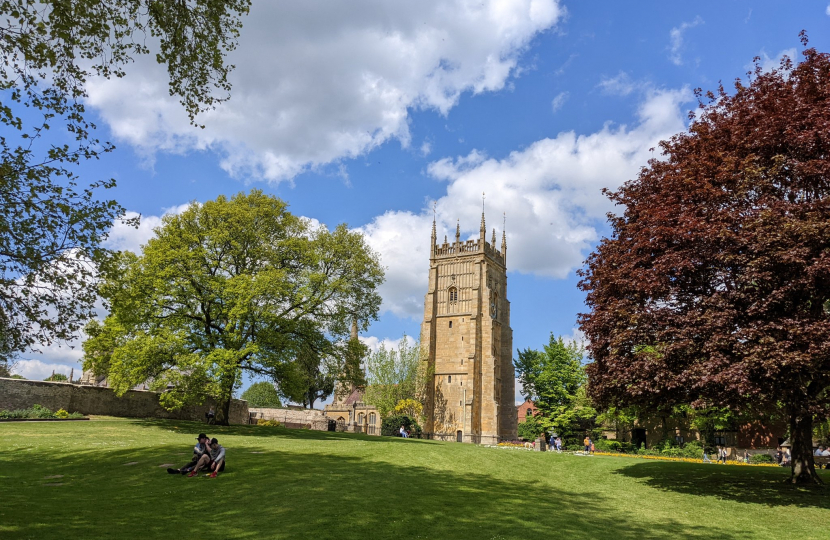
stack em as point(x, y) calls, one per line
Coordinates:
point(22, 394)
point(291, 418)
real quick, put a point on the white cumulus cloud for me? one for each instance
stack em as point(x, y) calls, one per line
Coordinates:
point(37, 370)
point(768, 64)
point(319, 81)
point(374, 343)
point(123, 237)
point(550, 191)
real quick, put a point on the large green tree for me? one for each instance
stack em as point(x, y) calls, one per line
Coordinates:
point(231, 286)
point(51, 222)
point(554, 378)
point(394, 375)
point(714, 287)
point(262, 394)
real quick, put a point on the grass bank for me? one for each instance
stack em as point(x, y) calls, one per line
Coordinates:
point(106, 479)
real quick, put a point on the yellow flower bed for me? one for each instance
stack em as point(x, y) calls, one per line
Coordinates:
point(686, 460)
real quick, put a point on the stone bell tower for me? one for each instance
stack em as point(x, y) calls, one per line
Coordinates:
point(467, 341)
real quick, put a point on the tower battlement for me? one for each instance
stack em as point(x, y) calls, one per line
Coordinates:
point(470, 246)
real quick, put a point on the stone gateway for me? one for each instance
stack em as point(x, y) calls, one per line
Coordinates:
point(467, 341)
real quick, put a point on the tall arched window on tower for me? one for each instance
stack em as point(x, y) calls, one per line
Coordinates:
point(452, 293)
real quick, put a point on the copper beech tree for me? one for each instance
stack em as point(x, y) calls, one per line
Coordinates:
point(714, 287)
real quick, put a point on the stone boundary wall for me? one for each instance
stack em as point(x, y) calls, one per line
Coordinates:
point(22, 394)
point(291, 418)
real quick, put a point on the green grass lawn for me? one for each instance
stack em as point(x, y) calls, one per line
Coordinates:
point(104, 479)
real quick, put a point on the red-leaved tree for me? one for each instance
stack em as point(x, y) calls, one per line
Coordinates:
point(714, 288)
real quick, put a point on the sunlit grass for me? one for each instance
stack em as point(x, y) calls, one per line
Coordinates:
point(105, 479)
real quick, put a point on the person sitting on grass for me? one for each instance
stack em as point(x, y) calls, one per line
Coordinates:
point(198, 451)
point(214, 459)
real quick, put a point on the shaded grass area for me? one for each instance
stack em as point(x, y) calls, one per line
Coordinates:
point(302, 484)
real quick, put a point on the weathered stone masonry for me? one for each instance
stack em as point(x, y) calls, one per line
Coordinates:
point(468, 341)
point(22, 394)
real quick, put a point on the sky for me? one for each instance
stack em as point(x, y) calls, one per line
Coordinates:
point(368, 112)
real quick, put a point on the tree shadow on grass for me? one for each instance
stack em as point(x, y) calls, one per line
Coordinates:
point(296, 496)
point(755, 485)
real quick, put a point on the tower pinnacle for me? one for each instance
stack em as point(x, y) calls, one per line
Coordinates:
point(504, 239)
point(434, 235)
point(458, 232)
point(483, 229)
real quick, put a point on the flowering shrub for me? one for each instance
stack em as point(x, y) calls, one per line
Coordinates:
point(38, 412)
point(269, 423)
point(682, 459)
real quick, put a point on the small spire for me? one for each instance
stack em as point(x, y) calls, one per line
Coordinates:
point(433, 218)
point(458, 232)
point(445, 238)
point(354, 329)
point(493, 242)
point(483, 228)
point(504, 239)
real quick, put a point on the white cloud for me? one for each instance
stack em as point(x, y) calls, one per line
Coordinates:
point(374, 343)
point(123, 237)
point(676, 39)
point(550, 192)
point(768, 64)
point(827, 11)
point(319, 81)
point(37, 370)
point(620, 85)
point(426, 148)
point(559, 101)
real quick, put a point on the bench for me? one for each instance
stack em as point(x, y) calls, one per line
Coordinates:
point(821, 461)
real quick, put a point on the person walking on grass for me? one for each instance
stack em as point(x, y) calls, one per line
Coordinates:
point(587, 443)
point(706, 457)
point(213, 460)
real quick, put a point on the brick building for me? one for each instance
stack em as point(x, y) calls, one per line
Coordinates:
point(528, 408)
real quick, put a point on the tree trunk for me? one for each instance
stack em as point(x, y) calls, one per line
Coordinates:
point(226, 413)
point(226, 403)
point(801, 451)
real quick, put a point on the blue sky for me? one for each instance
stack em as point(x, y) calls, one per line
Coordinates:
point(366, 112)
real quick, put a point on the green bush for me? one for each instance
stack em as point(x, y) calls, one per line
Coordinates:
point(37, 411)
point(268, 423)
point(391, 426)
point(761, 458)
